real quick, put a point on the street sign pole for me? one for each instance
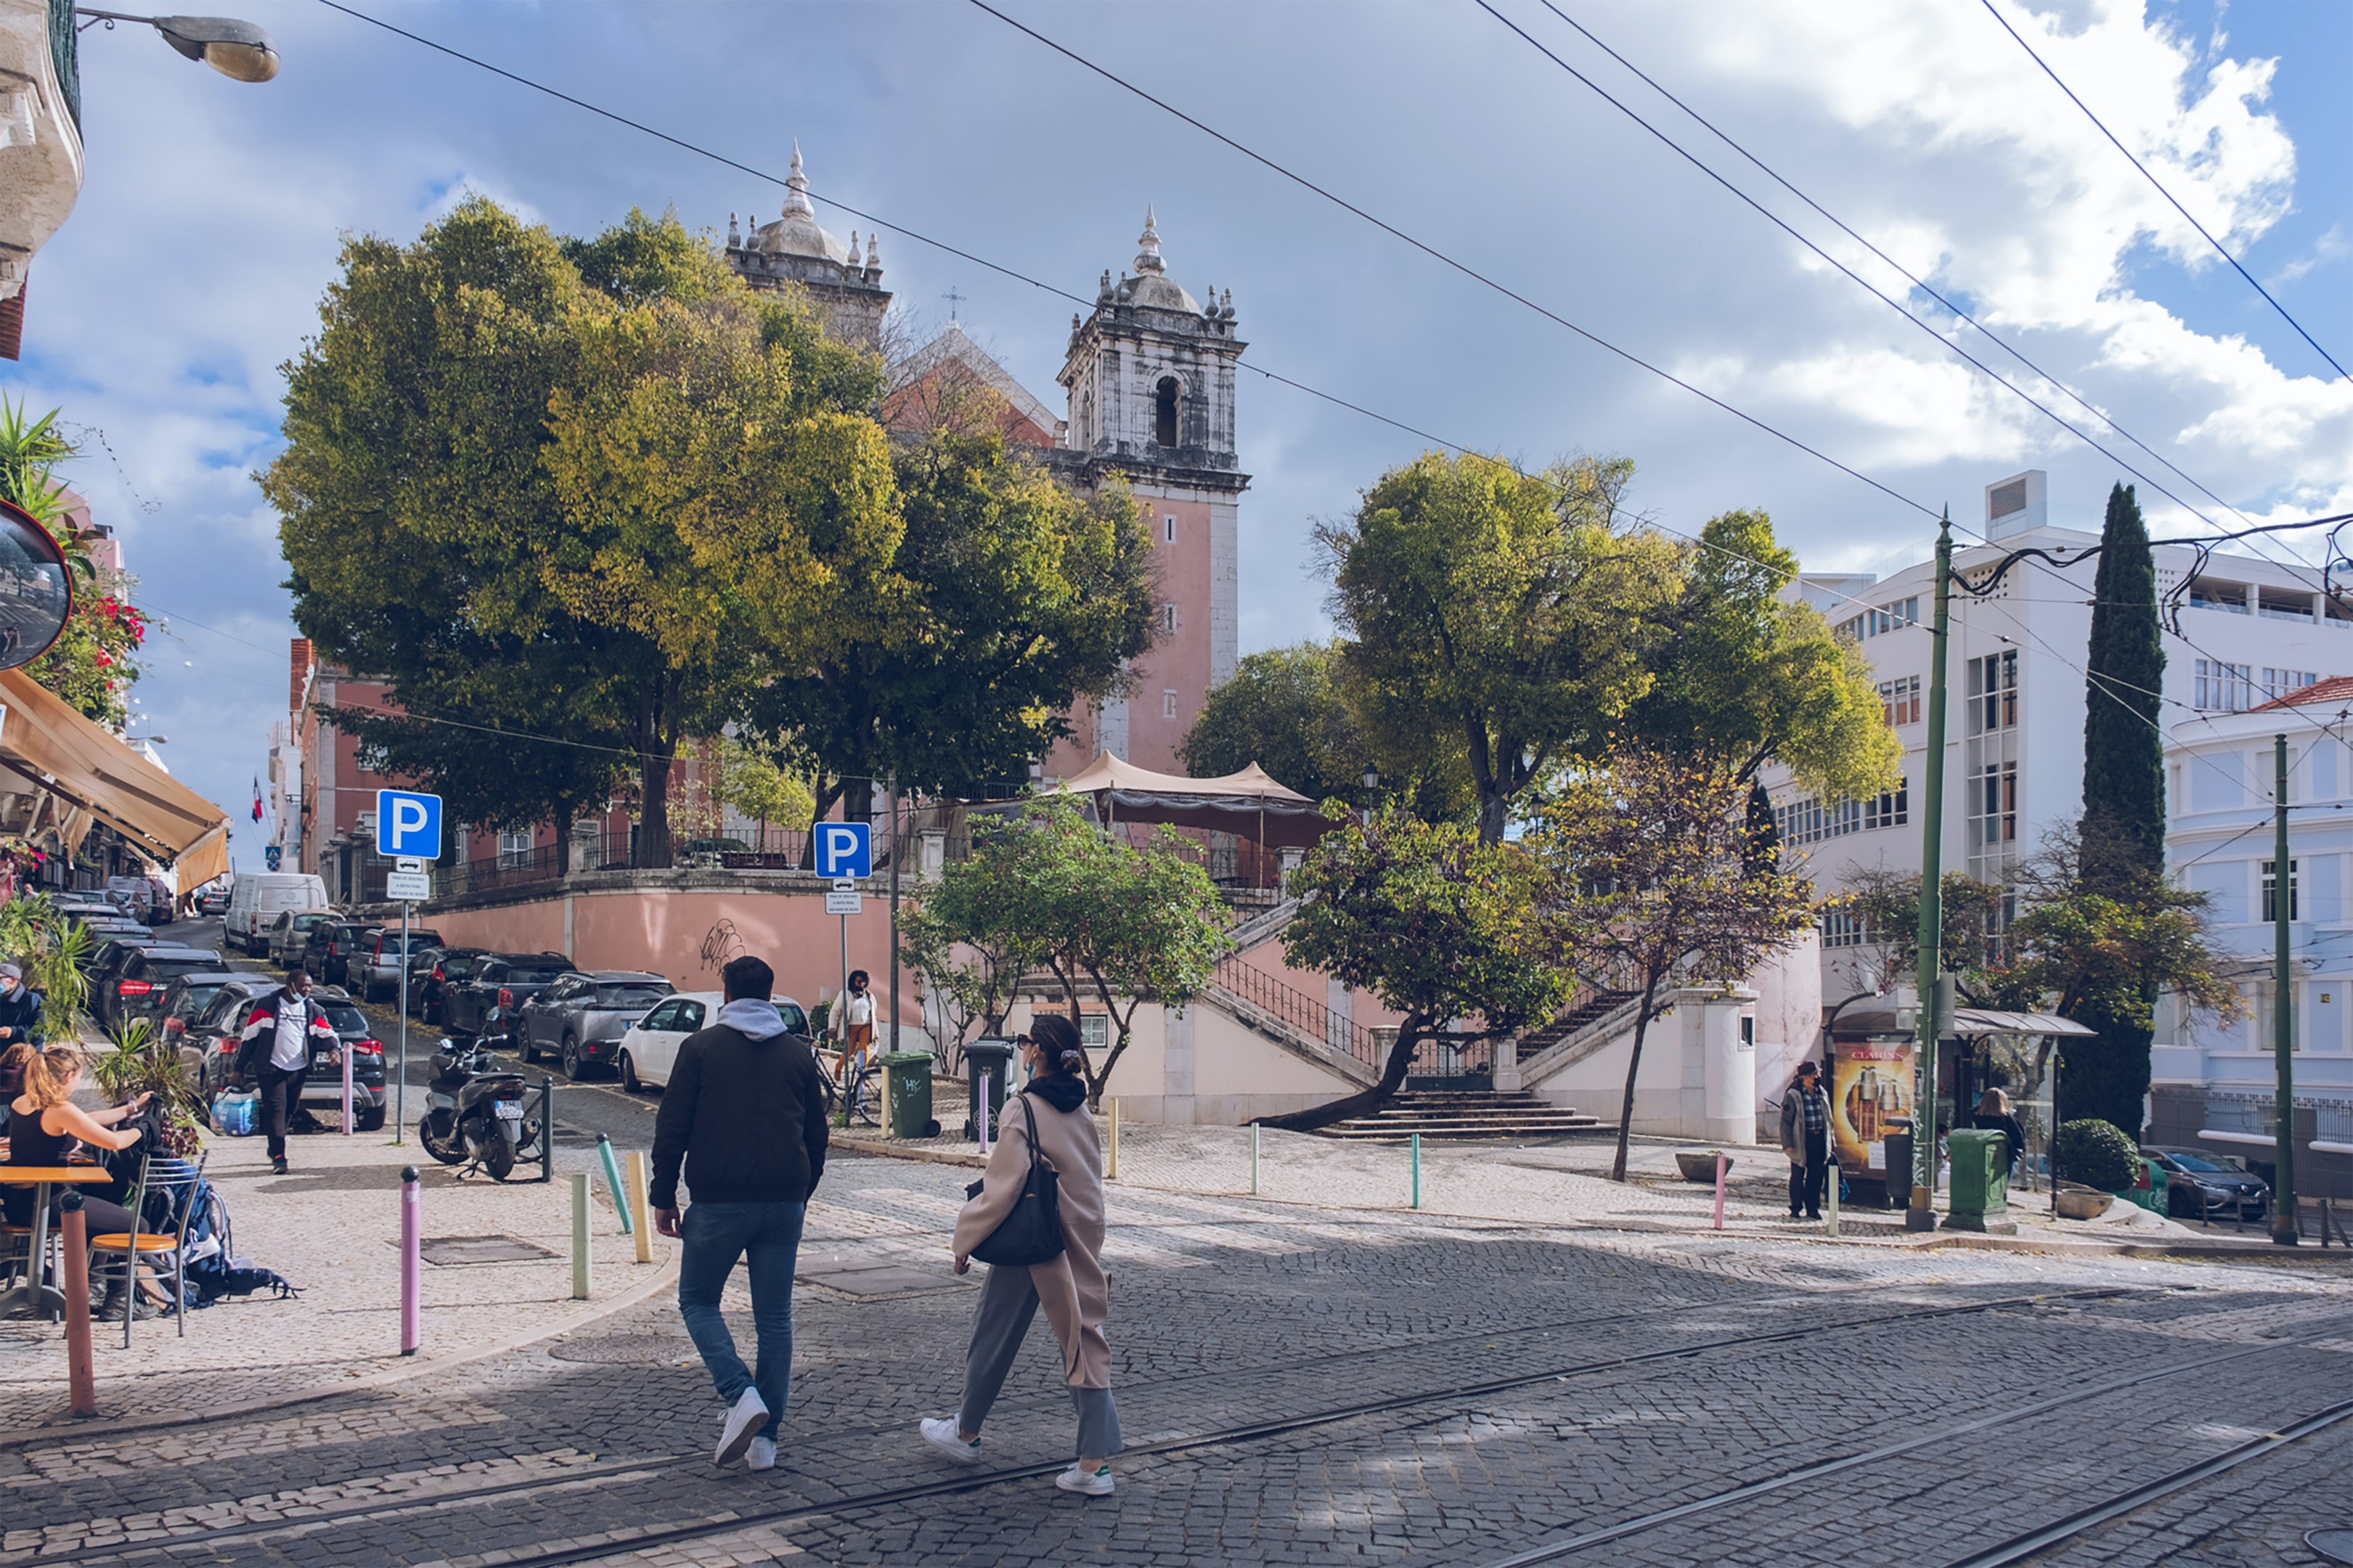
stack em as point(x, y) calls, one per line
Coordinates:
point(400, 1092)
point(2284, 1215)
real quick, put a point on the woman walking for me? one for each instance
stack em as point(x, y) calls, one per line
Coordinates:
point(1072, 1286)
point(857, 1023)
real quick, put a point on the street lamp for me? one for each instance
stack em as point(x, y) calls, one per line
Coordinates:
point(237, 49)
point(1372, 782)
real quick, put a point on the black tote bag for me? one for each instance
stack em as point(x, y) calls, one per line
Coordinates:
point(1032, 1231)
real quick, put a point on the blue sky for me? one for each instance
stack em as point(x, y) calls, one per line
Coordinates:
point(210, 222)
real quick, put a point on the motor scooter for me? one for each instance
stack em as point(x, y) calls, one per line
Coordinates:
point(474, 1112)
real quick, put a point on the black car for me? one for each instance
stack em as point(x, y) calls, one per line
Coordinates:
point(189, 997)
point(329, 955)
point(135, 989)
point(485, 1001)
point(208, 1042)
point(215, 1039)
point(107, 960)
point(437, 970)
point(2199, 1185)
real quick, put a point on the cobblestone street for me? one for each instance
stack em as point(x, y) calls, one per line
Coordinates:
point(1310, 1386)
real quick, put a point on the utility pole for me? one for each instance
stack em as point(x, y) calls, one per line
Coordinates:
point(1922, 1214)
point(2284, 1226)
point(894, 915)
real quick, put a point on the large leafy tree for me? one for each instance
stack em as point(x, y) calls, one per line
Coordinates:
point(1287, 710)
point(1657, 884)
point(1446, 929)
point(1741, 677)
point(1009, 597)
point(1499, 615)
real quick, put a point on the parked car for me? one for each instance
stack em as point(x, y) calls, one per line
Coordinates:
point(216, 1039)
point(500, 983)
point(420, 966)
point(289, 941)
point(107, 962)
point(581, 1017)
point(214, 900)
point(135, 990)
point(439, 969)
point(333, 943)
point(2200, 1184)
point(186, 998)
point(259, 898)
point(108, 928)
point(79, 907)
point(649, 1049)
point(380, 959)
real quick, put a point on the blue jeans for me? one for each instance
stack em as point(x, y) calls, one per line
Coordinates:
point(767, 1236)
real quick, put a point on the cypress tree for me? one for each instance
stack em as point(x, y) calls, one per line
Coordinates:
point(2122, 835)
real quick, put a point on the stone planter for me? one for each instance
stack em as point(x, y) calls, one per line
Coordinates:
point(2081, 1202)
point(1700, 1166)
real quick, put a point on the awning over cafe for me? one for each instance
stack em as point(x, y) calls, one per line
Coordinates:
point(1249, 804)
point(66, 772)
point(1969, 1022)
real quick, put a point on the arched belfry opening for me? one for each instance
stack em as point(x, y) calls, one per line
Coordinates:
point(1164, 399)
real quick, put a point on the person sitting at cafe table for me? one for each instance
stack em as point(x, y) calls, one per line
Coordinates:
point(44, 1124)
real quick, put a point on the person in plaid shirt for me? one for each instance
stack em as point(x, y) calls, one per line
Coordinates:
point(1806, 1140)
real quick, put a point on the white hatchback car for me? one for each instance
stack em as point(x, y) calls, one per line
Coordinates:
point(650, 1047)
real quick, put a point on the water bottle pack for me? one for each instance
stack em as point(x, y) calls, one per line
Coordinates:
point(236, 1113)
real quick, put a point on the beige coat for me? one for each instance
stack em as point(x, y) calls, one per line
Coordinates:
point(1074, 1288)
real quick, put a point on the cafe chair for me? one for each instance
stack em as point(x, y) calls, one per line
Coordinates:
point(163, 1252)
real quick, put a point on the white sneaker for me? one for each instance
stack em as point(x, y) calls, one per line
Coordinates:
point(940, 1432)
point(740, 1426)
point(761, 1455)
point(1096, 1482)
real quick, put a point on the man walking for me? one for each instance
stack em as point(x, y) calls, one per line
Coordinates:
point(744, 1111)
point(1806, 1140)
point(274, 1052)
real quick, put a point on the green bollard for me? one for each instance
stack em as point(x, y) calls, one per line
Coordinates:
point(1417, 1170)
point(580, 1235)
point(613, 1181)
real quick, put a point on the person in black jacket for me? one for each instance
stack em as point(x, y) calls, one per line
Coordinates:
point(281, 1031)
point(20, 1009)
point(745, 1112)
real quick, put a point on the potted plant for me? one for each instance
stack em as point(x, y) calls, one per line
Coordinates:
point(2100, 1160)
point(142, 1062)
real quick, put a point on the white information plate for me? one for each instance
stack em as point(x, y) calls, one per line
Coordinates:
point(408, 886)
point(840, 903)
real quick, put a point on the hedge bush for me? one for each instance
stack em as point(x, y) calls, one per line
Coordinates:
point(2098, 1154)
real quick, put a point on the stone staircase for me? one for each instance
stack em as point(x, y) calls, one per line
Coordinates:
point(1598, 1006)
point(1464, 1114)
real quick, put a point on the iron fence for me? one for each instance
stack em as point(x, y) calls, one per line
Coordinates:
point(1309, 1015)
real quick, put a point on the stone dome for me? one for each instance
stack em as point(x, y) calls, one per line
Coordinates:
point(797, 231)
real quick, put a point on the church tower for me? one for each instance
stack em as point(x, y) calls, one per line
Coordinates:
point(846, 288)
point(1150, 382)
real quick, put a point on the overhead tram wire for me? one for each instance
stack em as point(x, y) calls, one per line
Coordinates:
point(1861, 283)
point(1916, 281)
point(2159, 187)
point(1444, 260)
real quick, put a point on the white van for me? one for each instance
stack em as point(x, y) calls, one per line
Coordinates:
point(258, 899)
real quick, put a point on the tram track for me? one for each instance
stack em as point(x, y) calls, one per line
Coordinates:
point(206, 1539)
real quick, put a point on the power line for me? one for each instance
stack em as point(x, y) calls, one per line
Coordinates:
point(2161, 191)
point(1851, 275)
point(1911, 278)
point(1443, 258)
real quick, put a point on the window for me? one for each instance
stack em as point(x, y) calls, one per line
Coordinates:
point(1842, 928)
point(2271, 882)
point(1899, 701)
point(690, 1018)
point(1998, 796)
point(2220, 688)
point(1169, 526)
point(2282, 682)
point(514, 848)
point(1893, 616)
point(1094, 1030)
point(1164, 411)
point(1168, 617)
point(1168, 705)
point(2231, 597)
point(661, 1019)
point(1993, 691)
point(1891, 808)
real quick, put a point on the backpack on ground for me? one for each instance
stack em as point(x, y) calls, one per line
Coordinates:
point(213, 1268)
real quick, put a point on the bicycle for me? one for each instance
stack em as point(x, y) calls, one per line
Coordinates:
point(861, 1099)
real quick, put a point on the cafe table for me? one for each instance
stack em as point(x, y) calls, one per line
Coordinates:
point(35, 1295)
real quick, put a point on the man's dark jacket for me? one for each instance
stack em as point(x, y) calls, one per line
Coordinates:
point(747, 1117)
point(21, 1016)
point(259, 1036)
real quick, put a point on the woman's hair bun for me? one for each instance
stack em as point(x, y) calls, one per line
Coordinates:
point(1057, 1039)
point(1073, 1062)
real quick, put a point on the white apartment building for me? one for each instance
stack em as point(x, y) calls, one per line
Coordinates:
point(2216, 1082)
point(2250, 630)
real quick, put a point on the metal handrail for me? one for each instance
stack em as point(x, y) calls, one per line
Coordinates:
point(1318, 1020)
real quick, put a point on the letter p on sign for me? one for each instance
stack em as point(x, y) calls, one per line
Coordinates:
point(408, 823)
point(844, 849)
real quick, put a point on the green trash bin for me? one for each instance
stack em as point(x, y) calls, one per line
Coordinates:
point(990, 1062)
point(907, 1090)
point(1980, 1190)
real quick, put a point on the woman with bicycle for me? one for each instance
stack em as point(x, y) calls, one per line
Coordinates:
point(1071, 1284)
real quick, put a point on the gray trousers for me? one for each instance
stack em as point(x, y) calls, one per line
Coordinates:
point(1007, 1302)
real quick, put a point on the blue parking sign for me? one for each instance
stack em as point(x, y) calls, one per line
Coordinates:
point(407, 823)
point(844, 849)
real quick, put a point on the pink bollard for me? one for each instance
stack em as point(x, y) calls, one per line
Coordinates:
point(1719, 1191)
point(347, 1091)
point(983, 1113)
point(411, 1211)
